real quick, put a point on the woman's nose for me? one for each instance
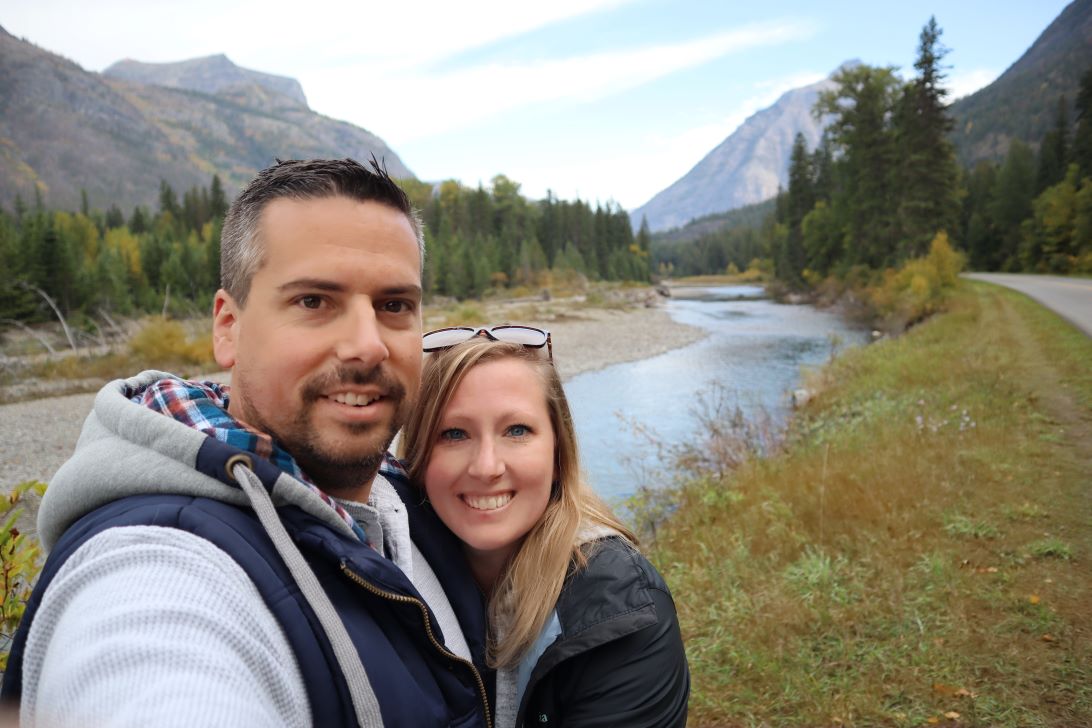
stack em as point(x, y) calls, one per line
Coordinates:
point(487, 464)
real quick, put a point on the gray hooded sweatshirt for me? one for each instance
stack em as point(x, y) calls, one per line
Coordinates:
point(145, 625)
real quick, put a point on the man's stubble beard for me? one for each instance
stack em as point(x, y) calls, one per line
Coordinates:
point(338, 474)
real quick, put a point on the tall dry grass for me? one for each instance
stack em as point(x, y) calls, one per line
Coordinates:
point(918, 551)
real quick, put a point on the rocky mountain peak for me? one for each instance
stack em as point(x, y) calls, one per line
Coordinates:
point(211, 75)
point(745, 168)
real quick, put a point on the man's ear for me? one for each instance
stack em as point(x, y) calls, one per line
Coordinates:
point(225, 329)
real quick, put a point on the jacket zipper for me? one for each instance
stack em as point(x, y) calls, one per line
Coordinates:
point(356, 578)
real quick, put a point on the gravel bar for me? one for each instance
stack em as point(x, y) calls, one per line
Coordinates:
point(37, 436)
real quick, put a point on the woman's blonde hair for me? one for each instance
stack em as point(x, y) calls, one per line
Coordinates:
point(528, 589)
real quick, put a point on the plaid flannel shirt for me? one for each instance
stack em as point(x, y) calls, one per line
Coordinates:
point(203, 406)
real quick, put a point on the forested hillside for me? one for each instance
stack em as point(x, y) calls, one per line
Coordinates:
point(1022, 103)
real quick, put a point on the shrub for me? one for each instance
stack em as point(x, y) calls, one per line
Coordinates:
point(21, 557)
point(920, 288)
point(466, 314)
point(163, 343)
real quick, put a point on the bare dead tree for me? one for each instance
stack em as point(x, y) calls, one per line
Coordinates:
point(112, 323)
point(41, 339)
point(98, 332)
point(56, 310)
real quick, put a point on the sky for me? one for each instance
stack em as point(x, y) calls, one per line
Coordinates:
point(606, 100)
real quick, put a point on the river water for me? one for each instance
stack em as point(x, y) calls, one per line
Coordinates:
point(755, 353)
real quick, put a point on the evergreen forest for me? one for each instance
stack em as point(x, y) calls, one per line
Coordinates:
point(92, 264)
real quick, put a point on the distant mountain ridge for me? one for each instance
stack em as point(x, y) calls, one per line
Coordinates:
point(63, 129)
point(1022, 102)
point(208, 75)
point(747, 167)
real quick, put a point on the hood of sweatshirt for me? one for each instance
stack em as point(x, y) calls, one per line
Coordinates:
point(128, 449)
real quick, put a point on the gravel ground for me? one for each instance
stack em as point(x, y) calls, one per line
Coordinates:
point(37, 436)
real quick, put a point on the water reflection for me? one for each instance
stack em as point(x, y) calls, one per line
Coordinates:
point(755, 351)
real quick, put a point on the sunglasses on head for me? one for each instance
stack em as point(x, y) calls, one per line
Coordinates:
point(528, 336)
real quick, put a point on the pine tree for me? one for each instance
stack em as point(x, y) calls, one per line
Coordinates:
point(138, 223)
point(644, 236)
point(114, 218)
point(16, 302)
point(927, 171)
point(861, 107)
point(1082, 139)
point(168, 200)
point(1054, 151)
point(55, 265)
point(218, 204)
point(822, 165)
point(979, 238)
point(789, 265)
point(1010, 205)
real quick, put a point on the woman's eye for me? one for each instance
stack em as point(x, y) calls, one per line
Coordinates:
point(453, 434)
point(519, 430)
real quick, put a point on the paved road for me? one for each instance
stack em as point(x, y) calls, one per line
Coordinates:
point(1071, 298)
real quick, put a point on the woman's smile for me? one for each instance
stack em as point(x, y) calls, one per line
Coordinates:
point(488, 502)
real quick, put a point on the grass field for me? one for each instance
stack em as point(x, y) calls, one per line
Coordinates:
point(920, 550)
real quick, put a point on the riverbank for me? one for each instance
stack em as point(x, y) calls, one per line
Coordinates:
point(588, 338)
point(919, 553)
point(37, 436)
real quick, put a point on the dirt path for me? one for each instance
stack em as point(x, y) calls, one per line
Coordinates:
point(1067, 476)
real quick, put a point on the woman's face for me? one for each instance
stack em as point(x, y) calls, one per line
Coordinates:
point(492, 464)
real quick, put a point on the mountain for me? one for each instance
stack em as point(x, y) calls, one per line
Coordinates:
point(63, 129)
point(1022, 103)
point(745, 168)
point(209, 75)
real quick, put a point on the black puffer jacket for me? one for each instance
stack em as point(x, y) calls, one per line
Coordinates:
point(619, 660)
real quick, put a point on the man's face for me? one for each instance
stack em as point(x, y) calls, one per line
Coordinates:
point(326, 354)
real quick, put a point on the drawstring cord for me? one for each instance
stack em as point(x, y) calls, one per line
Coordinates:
point(365, 704)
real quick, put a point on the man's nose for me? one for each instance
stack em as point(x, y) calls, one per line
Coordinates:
point(361, 336)
point(487, 464)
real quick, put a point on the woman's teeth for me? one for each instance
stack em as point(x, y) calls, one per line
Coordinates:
point(487, 502)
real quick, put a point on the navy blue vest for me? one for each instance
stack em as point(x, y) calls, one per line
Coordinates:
point(416, 683)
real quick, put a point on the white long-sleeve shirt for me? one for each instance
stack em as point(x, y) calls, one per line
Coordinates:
point(145, 625)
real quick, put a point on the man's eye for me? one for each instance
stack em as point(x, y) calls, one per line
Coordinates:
point(311, 302)
point(397, 307)
point(453, 434)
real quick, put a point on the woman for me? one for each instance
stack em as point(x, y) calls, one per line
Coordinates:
point(583, 630)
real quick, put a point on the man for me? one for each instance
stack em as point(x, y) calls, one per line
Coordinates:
point(254, 557)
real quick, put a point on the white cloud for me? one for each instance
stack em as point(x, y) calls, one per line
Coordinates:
point(632, 177)
point(282, 36)
point(967, 82)
point(402, 106)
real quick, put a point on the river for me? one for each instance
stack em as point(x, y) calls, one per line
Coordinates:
point(755, 352)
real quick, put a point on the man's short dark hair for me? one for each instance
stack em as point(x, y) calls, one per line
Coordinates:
point(241, 252)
